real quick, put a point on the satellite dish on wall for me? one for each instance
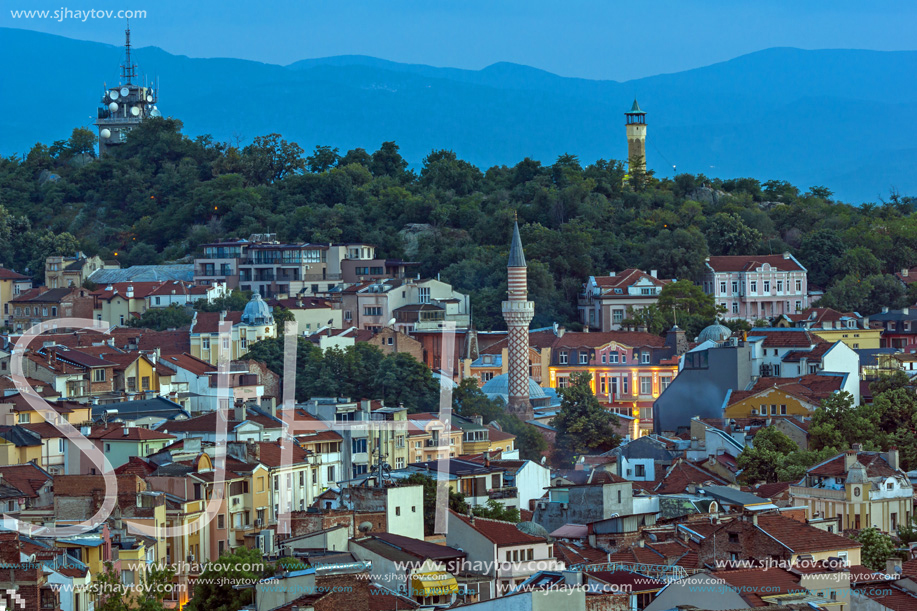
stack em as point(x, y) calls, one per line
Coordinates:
point(125, 91)
point(149, 98)
point(106, 133)
point(135, 110)
point(113, 107)
point(155, 113)
point(113, 94)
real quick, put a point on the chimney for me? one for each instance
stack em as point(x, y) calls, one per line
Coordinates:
point(486, 458)
point(239, 413)
point(786, 255)
point(856, 447)
point(850, 457)
point(893, 566)
point(891, 457)
point(905, 311)
point(611, 274)
point(754, 519)
point(130, 291)
point(222, 315)
point(884, 310)
point(125, 431)
point(904, 272)
point(654, 273)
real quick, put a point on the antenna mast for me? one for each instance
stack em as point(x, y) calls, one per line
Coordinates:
point(128, 70)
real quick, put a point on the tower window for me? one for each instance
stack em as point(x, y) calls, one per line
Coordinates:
point(562, 357)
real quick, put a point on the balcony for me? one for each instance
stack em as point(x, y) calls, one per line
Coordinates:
point(506, 492)
point(817, 493)
point(437, 443)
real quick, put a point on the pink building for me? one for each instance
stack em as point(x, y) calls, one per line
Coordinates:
point(757, 286)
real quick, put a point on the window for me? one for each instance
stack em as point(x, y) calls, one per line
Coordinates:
point(205, 343)
point(399, 441)
point(733, 537)
point(783, 410)
point(358, 445)
point(799, 286)
point(24, 418)
point(399, 463)
point(722, 288)
point(646, 385)
point(132, 384)
point(624, 385)
point(613, 357)
point(664, 382)
point(372, 311)
point(767, 286)
point(423, 294)
point(754, 286)
point(645, 358)
point(397, 511)
point(640, 470)
point(619, 495)
point(780, 286)
point(773, 410)
point(583, 358)
point(623, 357)
point(798, 305)
point(735, 288)
point(331, 473)
point(127, 577)
point(53, 310)
point(221, 521)
point(145, 383)
point(604, 358)
point(617, 316)
point(98, 375)
point(735, 307)
point(776, 370)
point(562, 357)
point(225, 343)
point(561, 381)
point(813, 368)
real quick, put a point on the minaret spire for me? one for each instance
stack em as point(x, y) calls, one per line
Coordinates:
point(518, 312)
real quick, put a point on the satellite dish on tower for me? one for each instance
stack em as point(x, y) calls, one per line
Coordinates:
point(106, 133)
point(155, 113)
point(149, 98)
point(125, 91)
point(113, 107)
point(113, 94)
point(135, 110)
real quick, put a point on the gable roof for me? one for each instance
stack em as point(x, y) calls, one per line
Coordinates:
point(744, 263)
point(497, 531)
point(800, 537)
point(27, 478)
point(116, 432)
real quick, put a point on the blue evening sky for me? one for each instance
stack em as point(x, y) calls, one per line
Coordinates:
point(605, 39)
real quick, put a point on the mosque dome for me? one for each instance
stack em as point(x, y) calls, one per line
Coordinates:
point(534, 529)
point(499, 385)
point(715, 332)
point(257, 312)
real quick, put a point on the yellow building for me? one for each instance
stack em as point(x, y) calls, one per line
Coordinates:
point(863, 489)
point(11, 286)
point(428, 439)
point(833, 326)
point(782, 396)
point(256, 323)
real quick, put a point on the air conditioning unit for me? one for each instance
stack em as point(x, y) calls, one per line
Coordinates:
point(258, 523)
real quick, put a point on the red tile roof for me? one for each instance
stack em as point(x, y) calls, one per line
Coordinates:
point(876, 466)
point(633, 339)
point(498, 531)
point(27, 478)
point(198, 367)
point(136, 466)
point(742, 263)
point(578, 553)
point(8, 274)
point(754, 583)
point(889, 596)
point(683, 473)
point(801, 537)
point(115, 432)
point(785, 338)
point(209, 322)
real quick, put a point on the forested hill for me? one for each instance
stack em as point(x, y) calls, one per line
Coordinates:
point(838, 117)
point(162, 195)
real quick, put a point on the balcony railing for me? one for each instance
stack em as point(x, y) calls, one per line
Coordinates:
point(506, 492)
point(818, 493)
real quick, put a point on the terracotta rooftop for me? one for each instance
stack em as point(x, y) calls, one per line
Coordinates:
point(744, 263)
point(682, 474)
point(8, 274)
point(876, 466)
point(115, 432)
point(754, 583)
point(209, 322)
point(27, 478)
point(801, 537)
point(775, 337)
point(198, 367)
point(498, 531)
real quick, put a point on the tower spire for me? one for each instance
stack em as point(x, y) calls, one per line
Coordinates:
point(518, 312)
point(128, 69)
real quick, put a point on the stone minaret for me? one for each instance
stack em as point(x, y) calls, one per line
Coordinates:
point(636, 138)
point(518, 312)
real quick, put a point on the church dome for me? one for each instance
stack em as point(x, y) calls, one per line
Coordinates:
point(499, 386)
point(257, 312)
point(715, 332)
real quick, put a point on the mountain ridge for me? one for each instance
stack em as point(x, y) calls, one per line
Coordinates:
point(782, 113)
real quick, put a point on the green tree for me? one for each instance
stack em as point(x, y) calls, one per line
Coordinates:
point(838, 424)
point(583, 426)
point(889, 381)
point(242, 566)
point(155, 582)
point(235, 301)
point(820, 252)
point(877, 548)
point(727, 234)
point(774, 457)
point(174, 316)
point(495, 510)
point(323, 159)
point(282, 316)
point(271, 158)
point(457, 501)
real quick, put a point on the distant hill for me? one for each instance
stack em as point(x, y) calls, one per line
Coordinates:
point(840, 118)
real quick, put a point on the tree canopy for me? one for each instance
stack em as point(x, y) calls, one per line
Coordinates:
point(161, 196)
point(583, 425)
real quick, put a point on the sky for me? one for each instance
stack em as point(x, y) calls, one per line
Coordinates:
point(596, 39)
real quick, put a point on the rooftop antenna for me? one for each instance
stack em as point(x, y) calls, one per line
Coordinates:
point(128, 70)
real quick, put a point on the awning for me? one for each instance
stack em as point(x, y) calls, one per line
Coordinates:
point(439, 583)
